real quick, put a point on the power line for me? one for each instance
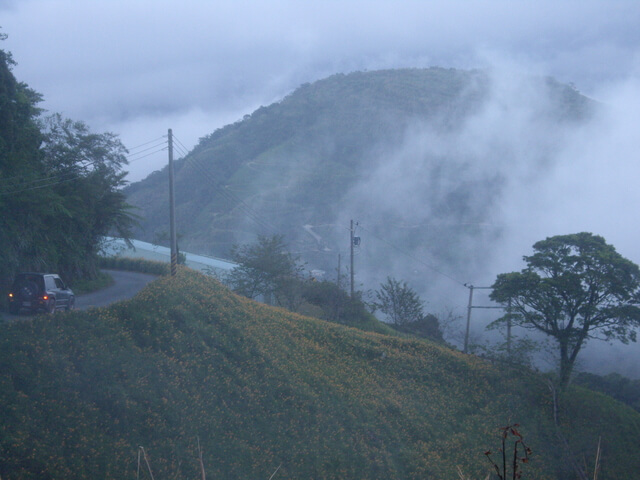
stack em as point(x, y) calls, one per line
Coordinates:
point(50, 180)
point(147, 143)
point(229, 195)
point(181, 145)
point(6, 179)
point(182, 153)
point(404, 252)
point(245, 209)
point(75, 177)
point(32, 183)
point(148, 155)
point(239, 203)
point(11, 188)
point(161, 144)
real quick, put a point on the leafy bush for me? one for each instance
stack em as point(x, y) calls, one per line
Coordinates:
point(101, 280)
point(427, 326)
point(335, 305)
point(615, 385)
point(136, 265)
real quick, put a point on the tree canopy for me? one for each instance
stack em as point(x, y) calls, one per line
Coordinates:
point(266, 268)
point(575, 288)
point(60, 186)
point(399, 302)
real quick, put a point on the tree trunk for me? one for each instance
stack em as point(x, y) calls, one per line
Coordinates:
point(566, 364)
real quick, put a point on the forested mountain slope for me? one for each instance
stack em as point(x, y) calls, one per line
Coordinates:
point(259, 388)
point(420, 155)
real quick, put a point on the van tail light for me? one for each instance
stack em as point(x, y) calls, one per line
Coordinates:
point(11, 295)
point(45, 297)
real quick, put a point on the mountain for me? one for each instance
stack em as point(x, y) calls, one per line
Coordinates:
point(420, 158)
point(259, 389)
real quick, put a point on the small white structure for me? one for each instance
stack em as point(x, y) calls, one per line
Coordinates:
point(117, 247)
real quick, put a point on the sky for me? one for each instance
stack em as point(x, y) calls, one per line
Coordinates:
point(139, 67)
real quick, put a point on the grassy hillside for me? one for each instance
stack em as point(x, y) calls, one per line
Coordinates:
point(263, 388)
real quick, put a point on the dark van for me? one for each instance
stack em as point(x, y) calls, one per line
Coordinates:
point(40, 292)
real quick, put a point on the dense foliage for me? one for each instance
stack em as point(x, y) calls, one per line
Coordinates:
point(574, 288)
point(399, 302)
point(427, 326)
point(623, 389)
point(135, 265)
point(266, 268)
point(260, 388)
point(60, 187)
point(326, 300)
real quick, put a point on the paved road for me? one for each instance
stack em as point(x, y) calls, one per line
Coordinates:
point(126, 285)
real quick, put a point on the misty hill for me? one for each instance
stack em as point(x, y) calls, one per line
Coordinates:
point(419, 157)
point(263, 388)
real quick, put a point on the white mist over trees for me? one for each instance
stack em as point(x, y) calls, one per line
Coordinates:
point(451, 190)
point(537, 178)
point(224, 59)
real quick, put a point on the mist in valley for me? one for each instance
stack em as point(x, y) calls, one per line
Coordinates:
point(439, 207)
point(479, 196)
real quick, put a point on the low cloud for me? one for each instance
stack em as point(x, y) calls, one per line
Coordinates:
point(119, 62)
point(478, 197)
point(137, 68)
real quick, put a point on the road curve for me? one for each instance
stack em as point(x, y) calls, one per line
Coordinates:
point(125, 286)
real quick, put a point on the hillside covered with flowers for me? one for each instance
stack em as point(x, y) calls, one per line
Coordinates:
point(188, 365)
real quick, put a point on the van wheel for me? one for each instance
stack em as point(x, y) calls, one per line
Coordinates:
point(71, 304)
point(51, 306)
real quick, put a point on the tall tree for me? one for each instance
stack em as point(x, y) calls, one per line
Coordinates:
point(574, 288)
point(20, 135)
point(266, 268)
point(20, 165)
point(60, 186)
point(399, 302)
point(88, 169)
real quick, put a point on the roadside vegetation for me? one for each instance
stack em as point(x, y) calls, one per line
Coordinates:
point(101, 280)
point(60, 187)
point(135, 265)
point(259, 387)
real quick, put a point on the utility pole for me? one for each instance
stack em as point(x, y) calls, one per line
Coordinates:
point(509, 329)
point(351, 247)
point(469, 307)
point(172, 213)
point(339, 285)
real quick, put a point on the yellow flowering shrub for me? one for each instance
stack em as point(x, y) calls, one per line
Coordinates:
point(260, 387)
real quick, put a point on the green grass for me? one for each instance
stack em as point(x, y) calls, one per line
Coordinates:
point(101, 281)
point(136, 265)
point(262, 387)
